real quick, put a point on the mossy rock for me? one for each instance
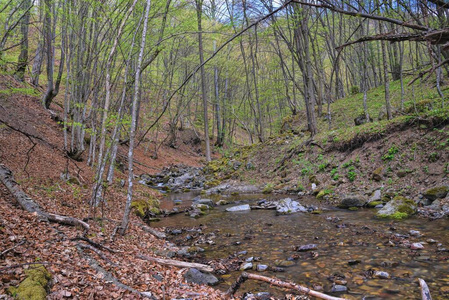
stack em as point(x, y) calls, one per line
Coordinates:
point(399, 208)
point(34, 287)
point(313, 179)
point(377, 174)
point(144, 206)
point(268, 188)
point(353, 208)
point(436, 193)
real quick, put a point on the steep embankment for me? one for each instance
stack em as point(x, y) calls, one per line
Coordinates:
point(85, 266)
point(404, 156)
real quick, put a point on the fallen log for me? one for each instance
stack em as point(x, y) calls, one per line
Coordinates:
point(425, 292)
point(178, 263)
point(7, 178)
point(276, 282)
point(154, 232)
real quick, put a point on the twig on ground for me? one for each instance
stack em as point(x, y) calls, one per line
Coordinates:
point(12, 248)
point(98, 252)
point(95, 244)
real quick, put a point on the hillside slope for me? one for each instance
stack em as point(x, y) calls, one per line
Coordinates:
point(31, 145)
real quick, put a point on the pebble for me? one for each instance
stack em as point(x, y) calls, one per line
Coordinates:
point(262, 268)
point(249, 259)
point(381, 275)
point(353, 262)
point(307, 247)
point(415, 233)
point(244, 252)
point(246, 266)
point(339, 289)
point(431, 241)
point(416, 246)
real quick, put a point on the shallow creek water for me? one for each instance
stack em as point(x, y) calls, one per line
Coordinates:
point(340, 236)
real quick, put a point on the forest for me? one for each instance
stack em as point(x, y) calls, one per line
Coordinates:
point(226, 149)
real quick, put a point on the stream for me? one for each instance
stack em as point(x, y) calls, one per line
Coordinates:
point(350, 247)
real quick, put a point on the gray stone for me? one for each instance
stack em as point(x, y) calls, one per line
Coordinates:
point(207, 202)
point(288, 206)
point(246, 266)
point(376, 196)
point(261, 267)
point(244, 207)
point(414, 233)
point(222, 202)
point(198, 277)
point(308, 247)
point(339, 289)
point(379, 206)
point(352, 200)
point(381, 275)
point(416, 246)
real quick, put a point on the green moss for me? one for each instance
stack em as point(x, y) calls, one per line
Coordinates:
point(353, 208)
point(437, 192)
point(374, 203)
point(142, 206)
point(211, 183)
point(268, 188)
point(34, 286)
point(397, 216)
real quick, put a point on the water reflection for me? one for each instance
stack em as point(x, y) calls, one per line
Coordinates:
point(341, 236)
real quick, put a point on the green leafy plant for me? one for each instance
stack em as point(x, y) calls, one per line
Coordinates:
point(390, 153)
point(352, 175)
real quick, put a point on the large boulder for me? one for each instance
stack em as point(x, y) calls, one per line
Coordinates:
point(288, 206)
point(398, 208)
point(352, 200)
point(198, 277)
point(436, 193)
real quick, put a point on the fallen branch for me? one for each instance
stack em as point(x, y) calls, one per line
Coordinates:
point(109, 277)
point(425, 292)
point(12, 248)
point(276, 282)
point(7, 178)
point(98, 252)
point(177, 263)
point(94, 244)
point(154, 232)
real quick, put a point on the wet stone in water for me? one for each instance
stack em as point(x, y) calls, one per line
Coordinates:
point(381, 275)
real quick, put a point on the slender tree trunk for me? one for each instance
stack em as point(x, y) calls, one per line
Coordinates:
point(23, 57)
point(386, 80)
point(199, 12)
point(132, 130)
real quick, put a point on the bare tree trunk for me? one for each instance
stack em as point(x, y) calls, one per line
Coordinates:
point(23, 57)
point(386, 80)
point(199, 12)
point(132, 130)
point(97, 187)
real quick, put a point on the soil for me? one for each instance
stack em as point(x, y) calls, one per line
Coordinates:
point(32, 147)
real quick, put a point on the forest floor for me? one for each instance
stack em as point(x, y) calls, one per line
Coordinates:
point(32, 147)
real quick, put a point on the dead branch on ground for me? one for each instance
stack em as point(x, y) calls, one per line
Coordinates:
point(276, 282)
point(7, 178)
